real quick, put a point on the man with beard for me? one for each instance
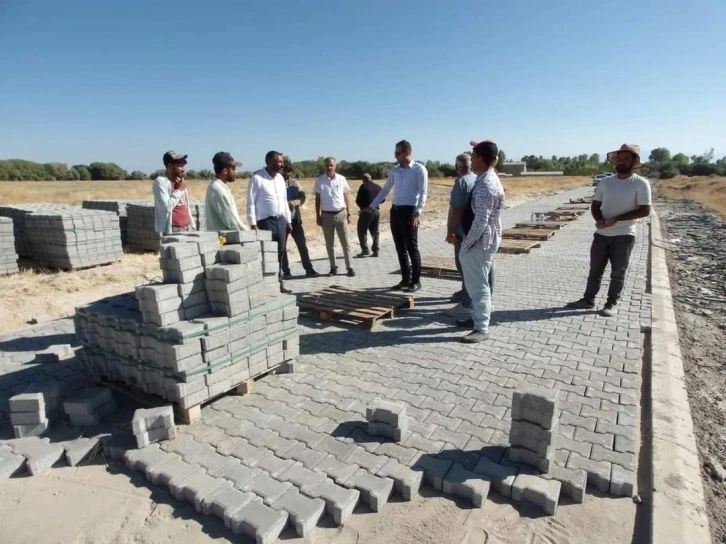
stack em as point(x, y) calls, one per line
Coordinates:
point(619, 201)
point(267, 207)
point(220, 207)
point(171, 198)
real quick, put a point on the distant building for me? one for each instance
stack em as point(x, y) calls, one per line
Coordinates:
point(513, 168)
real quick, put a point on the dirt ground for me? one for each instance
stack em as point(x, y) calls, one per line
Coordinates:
point(47, 295)
point(96, 504)
point(697, 239)
point(709, 191)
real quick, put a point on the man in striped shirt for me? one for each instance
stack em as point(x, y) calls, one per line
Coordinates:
point(482, 227)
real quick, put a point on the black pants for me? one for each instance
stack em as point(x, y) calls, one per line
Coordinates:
point(278, 227)
point(613, 249)
point(369, 222)
point(405, 236)
point(298, 234)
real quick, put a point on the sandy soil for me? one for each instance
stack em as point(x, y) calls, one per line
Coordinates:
point(94, 504)
point(698, 281)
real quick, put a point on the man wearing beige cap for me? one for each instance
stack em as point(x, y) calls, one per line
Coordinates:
point(619, 201)
point(171, 198)
point(220, 206)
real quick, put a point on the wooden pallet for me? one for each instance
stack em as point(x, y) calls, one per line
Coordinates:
point(353, 305)
point(562, 216)
point(440, 267)
point(551, 225)
point(528, 234)
point(518, 246)
point(573, 209)
point(583, 200)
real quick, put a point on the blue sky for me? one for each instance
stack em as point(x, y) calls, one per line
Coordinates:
point(125, 81)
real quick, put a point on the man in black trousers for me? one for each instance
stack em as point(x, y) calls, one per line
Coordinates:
point(409, 181)
point(295, 199)
point(369, 219)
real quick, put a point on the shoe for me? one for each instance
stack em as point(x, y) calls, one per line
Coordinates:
point(374, 254)
point(361, 255)
point(465, 322)
point(351, 273)
point(285, 291)
point(456, 297)
point(609, 310)
point(474, 337)
point(413, 288)
point(581, 304)
point(459, 311)
point(312, 274)
point(287, 276)
point(401, 286)
point(333, 271)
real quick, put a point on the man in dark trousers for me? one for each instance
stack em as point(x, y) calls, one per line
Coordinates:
point(409, 180)
point(295, 200)
point(369, 219)
point(619, 202)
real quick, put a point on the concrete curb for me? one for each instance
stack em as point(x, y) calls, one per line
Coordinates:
point(678, 506)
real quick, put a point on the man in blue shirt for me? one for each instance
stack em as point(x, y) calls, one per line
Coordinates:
point(409, 181)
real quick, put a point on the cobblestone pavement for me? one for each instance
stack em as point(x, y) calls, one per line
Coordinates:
point(305, 432)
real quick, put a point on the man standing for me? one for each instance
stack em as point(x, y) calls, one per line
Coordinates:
point(460, 193)
point(171, 198)
point(619, 201)
point(482, 226)
point(295, 199)
point(368, 218)
point(220, 206)
point(409, 181)
point(267, 207)
point(332, 210)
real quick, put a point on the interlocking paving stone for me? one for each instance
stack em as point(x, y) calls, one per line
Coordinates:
point(537, 490)
point(466, 484)
point(374, 490)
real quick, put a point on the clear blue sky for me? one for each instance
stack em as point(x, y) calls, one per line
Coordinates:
point(124, 81)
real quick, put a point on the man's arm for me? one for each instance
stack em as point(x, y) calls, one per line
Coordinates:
point(384, 192)
point(595, 211)
point(423, 188)
point(456, 215)
point(285, 209)
point(346, 196)
point(301, 196)
point(482, 212)
point(359, 197)
point(318, 217)
point(163, 194)
point(251, 196)
point(642, 211)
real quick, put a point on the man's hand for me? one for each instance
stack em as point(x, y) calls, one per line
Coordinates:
point(605, 223)
point(254, 227)
point(319, 220)
point(365, 210)
point(414, 221)
point(182, 184)
point(348, 217)
point(288, 228)
point(451, 238)
point(291, 204)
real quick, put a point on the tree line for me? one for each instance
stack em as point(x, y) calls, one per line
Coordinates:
point(660, 165)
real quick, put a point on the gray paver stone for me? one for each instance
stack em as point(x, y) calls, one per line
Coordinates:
point(146, 438)
point(622, 482)
point(304, 512)
point(273, 464)
point(337, 448)
point(434, 470)
point(307, 456)
point(406, 481)
point(537, 490)
point(146, 419)
point(24, 431)
point(337, 470)
point(523, 455)
point(376, 428)
point(172, 471)
point(399, 453)
point(339, 501)
point(535, 404)
point(40, 454)
point(196, 487)
point(301, 477)
point(10, 463)
point(598, 472)
point(466, 484)
point(225, 499)
point(392, 413)
point(501, 476)
point(367, 460)
point(374, 490)
point(210, 460)
point(247, 453)
point(267, 487)
point(29, 419)
point(81, 450)
point(625, 460)
point(574, 482)
point(534, 438)
point(257, 521)
point(236, 472)
point(27, 402)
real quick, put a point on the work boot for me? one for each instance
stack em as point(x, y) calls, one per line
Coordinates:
point(474, 337)
point(609, 310)
point(581, 304)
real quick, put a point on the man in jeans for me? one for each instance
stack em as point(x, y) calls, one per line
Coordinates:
point(482, 235)
point(369, 219)
point(171, 198)
point(295, 199)
point(619, 201)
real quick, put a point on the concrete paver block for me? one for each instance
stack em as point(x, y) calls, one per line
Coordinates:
point(146, 419)
point(40, 454)
point(22, 431)
point(88, 402)
point(27, 402)
point(598, 472)
point(376, 428)
point(540, 491)
point(146, 438)
point(574, 482)
point(304, 512)
point(374, 490)
point(225, 499)
point(434, 470)
point(466, 484)
point(339, 501)
point(266, 487)
point(533, 437)
point(273, 464)
point(196, 487)
point(501, 476)
point(237, 473)
point(10, 463)
point(392, 413)
point(82, 449)
point(301, 477)
point(523, 455)
point(622, 482)
point(54, 354)
point(338, 471)
point(258, 521)
point(29, 419)
point(406, 481)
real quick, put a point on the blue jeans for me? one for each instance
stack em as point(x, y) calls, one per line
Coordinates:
point(476, 264)
point(465, 298)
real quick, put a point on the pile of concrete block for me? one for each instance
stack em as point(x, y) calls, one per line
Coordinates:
point(140, 233)
point(88, 408)
point(116, 206)
point(66, 237)
point(535, 423)
point(199, 213)
point(27, 414)
point(55, 354)
point(152, 425)
point(8, 255)
point(387, 418)
point(215, 322)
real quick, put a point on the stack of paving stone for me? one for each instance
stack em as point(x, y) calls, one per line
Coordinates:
point(17, 213)
point(152, 425)
point(116, 206)
point(386, 418)
point(27, 414)
point(87, 409)
point(535, 424)
point(215, 322)
point(199, 214)
point(8, 255)
point(140, 230)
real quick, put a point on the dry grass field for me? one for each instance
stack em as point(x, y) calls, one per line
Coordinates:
point(711, 191)
point(51, 294)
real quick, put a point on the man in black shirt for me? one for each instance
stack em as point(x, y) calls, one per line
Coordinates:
point(368, 219)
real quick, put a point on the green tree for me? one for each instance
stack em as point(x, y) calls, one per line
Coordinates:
point(680, 161)
point(83, 171)
point(157, 173)
point(137, 175)
point(502, 157)
point(106, 171)
point(660, 155)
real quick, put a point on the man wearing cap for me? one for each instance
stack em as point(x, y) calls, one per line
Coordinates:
point(295, 199)
point(619, 201)
point(220, 206)
point(171, 198)
point(368, 218)
point(409, 181)
point(332, 210)
point(267, 207)
point(482, 227)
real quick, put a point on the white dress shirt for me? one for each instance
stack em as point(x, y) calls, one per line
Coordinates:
point(266, 197)
point(410, 186)
point(331, 191)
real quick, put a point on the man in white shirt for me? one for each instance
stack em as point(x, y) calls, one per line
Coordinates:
point(332, 212)
point(171, 198)
point(267, 207)
point(619, 202)
point(220, 206)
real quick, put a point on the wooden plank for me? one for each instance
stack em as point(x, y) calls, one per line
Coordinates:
point(553, 225)
point(396, 301)
point(341, 301)
point(528, 234)
point(517, 246)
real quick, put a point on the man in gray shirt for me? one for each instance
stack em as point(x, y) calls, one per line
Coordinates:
point(619, 201)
